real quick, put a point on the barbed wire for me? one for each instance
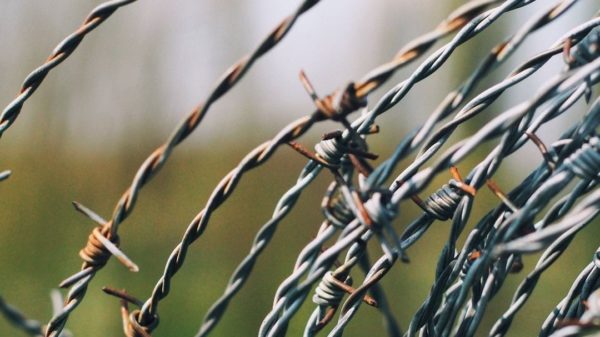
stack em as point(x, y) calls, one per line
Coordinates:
point(64, 49)
point(294, 306)
point(518, 196)
point(294, 130)
point(352, 304)
point(361, 205)
point(95, 254)
point(568, 83)
point(572, 305)
point(30, 326)
point(19, 320)
point(400, 147)
point(276, 301)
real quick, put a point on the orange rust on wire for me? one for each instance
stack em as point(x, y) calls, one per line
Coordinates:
point(122, 294)
point(501, 195)
point(95, 254)
point(334, 106)
point(499, 49)
point(417, 200)
point(361, 153)
point(474, 255)
point(543, 149)
point(373, 129)
point(329, 314)
point(135, 329)
point(350, 290)
point(361, 208)
point(308, 154)
point(105, 243)
point(131, 327)
point(461, 183)
point(567, 52)
point(325, 105)
point(361, 166)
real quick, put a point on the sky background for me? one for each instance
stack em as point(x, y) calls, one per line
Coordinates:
point(98, 115)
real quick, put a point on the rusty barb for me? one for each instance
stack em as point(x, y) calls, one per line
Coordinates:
point(131, 327)
point(333, 147)
point(361, 212)
point(443, 202)
point(336, 106)
point(101, 244)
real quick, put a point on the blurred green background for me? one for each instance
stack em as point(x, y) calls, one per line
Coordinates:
point(96, 118)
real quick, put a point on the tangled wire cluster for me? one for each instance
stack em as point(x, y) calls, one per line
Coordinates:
point(361, 205)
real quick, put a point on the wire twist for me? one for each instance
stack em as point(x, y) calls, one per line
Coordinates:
point(58, 55)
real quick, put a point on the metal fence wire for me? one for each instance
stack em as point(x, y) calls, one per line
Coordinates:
point(361, 204)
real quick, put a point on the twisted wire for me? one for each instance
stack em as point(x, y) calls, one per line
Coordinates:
point(262, 238)
point(403, 143)
point(466, 279)
point(372, 81)
point(449, 311)
point(508, 229)
point(571, 306)
point(519, 196)
point(445, 163)
point(470, 28)
point(157, 159)
point(30, 326)
point(496, 279)
point(60, 53)
point(19, 320)
point(550, 255)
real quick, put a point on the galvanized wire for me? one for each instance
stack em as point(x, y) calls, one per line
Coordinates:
point(519, 196)
point(261, 154)
point(294, 130)
point(352, 303)
point(295, 298)
point(276, 301)
point(572, 306)
point(19, 320)
point(30, 326)
point(385, 171)
point(95, 254)
point(571, 83)
point(359, 209)
point(64, 49)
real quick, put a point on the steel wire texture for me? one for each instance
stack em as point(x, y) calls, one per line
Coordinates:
point(64, 49)
point(379, 105)
point(543, 212)
point(326, 258)
point(292, 131)
point(95, 254)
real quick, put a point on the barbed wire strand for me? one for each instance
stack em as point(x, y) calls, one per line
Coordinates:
point(401, 147)
point(268, 317)
point(571, 304)
point(357, 297)
point(520, 195)
point(295, 130)
point(450, 308)
point(30, 326)
point(60, 53)
point(465, 280)
point(157, 159)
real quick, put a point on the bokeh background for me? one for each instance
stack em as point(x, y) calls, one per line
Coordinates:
point(98, 115)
